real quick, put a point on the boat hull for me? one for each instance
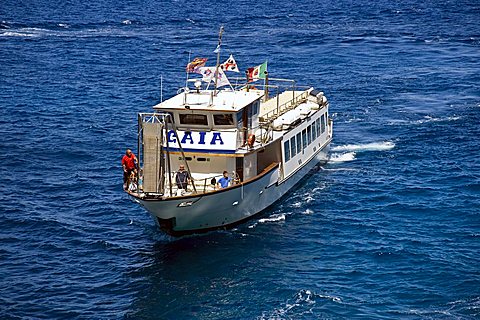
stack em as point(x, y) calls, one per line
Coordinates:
point(228, 207)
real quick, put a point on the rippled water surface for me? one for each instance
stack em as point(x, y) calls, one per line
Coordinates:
point(389, 229)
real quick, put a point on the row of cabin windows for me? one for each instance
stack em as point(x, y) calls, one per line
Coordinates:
point(223, 119)
point(297, 143)
point(197, 119)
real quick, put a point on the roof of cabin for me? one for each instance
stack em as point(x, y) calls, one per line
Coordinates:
point(225, 100)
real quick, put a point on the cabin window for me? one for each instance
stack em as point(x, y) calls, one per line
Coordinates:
point(309, 134)
point(193, 119)
point(293, 147)
point(322, 122)
point(286, 147)
point(255, 107)
point(314, 131)
point(239, 116)
point(318, 126)
point(304, 138)
point(203, 159)
point(223, 119)
point(299, 142)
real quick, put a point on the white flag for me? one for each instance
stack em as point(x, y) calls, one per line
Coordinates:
point(208, 75)
point(230, 65)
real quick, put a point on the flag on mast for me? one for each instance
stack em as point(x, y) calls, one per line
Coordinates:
point(230, 65)
point(257, 72)
point(195, 64)
point(208, 75)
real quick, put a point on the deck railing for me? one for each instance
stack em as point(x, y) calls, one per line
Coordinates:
point(284, 107)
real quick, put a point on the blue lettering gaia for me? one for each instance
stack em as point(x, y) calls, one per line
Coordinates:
point(187, 137)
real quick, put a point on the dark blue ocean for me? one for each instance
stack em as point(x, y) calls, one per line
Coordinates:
point(389, 229)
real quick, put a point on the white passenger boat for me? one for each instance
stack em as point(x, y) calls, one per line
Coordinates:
point(267, 138)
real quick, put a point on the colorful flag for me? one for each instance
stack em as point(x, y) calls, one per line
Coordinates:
point(257, 72)
point(196, 63)
point(208, 75)
point(230, 65)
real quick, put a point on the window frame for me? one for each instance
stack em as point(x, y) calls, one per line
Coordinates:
point(193, 124)
point(309, 135)
point(286, 150)
point(304, 139)
point(215, 125)
point(314, 131)
point(299, 142)
point(293, 147)
point(322, 122)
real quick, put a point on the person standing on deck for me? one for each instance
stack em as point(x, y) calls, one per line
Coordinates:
point(224, 181)
point(182, 178)
point(129, 164)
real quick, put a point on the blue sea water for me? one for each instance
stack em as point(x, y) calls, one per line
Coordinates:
point(389, 229)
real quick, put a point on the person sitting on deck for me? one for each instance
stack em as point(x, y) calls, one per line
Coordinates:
point(129, 164)
point(182, 178)
point(224, 181)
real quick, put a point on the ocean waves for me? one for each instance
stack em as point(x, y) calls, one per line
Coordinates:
point(388, 229)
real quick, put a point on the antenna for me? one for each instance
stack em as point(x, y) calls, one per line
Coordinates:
point(220, 33)
point(161, 88)
point(186, 80)
point(186, 69)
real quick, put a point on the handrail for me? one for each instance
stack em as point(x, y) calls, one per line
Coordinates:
point(282, 109)
point(197, 182)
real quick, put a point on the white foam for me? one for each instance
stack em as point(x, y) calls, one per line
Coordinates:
point(333, 298)
point(297, 204)
point(301, 304)
point(308, 211)
point(339, 169)
point(273, 218)
point(373, 146)
point(127, 21)
point(425, 119)
point(342, 157)
point(428, 119)
point(16, 34)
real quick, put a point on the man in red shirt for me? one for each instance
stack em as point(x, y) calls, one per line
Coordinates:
point(129, 164)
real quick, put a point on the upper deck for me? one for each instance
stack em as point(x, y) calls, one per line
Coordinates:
point(225, 100)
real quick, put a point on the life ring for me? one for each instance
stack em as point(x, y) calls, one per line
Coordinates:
point(251, 140)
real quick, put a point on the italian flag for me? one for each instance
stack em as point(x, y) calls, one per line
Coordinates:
point(257, 72)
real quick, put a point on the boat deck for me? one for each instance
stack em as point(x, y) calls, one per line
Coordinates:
point(282, 103)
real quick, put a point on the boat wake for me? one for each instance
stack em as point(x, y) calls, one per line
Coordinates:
point(272, 218)
point(347, 152)
point(373, 146)
point(342, 157)
point(302, 303)
point(425, 119)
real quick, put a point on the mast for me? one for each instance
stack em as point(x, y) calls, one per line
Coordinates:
point(218, 58)
point(186, 80)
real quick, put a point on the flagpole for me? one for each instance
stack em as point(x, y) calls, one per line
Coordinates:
point(218, 59)
point(186, 80)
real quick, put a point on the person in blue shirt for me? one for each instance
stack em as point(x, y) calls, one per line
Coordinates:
point(224, 181)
